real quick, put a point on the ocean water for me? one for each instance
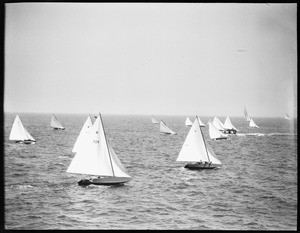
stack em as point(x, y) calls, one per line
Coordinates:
point(256, 188)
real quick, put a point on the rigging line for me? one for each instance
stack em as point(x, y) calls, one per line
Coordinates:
point(112, 168)
point(203, 139)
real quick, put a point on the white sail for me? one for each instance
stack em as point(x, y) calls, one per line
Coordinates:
point(246, 115)
point(188, 122)
point(56, 123)
point(153, 120)
point(228, 124)
point(218, 124)
point(195, 148)
point(252, 123)
point(287, 117)
point(83, 133)
point(18, 131)
point(200, 122)
point(95, 156)
point(214, 133)
point(165, 129)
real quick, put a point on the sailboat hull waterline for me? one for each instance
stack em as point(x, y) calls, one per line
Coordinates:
point(198, 166)
point(25, 142)
point(105, 181)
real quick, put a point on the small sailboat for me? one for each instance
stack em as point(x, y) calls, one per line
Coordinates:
point(153, 120)
point(287, 117)
point(229, 128)
point(96, 157)
point(188, 122)
point(200, 122)
point(218, 124)
point(19, 134)
point(196, 149)
point(56, 124)
point(246, 115)
point(252, 124)
point(165, 129)
point(83, 133)
point(214, 133)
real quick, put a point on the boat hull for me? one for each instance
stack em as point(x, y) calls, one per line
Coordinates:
point(105, 181)
point(230, 131)
point(25, 142)
point(198, 166)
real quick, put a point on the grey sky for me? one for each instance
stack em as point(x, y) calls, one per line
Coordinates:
point(168, 58)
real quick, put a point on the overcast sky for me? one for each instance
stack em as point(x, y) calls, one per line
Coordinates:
point(151, 58)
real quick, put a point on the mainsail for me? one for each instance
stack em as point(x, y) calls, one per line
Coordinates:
point(153, 120)
point(83, 133)
point(195, 148)
point(18, 131)
point(165, 129)
point(214, 133)
point(218, 124)
point(96, 156)
point(252, 123)
point(228, 124)
point(188, 122)
point(246, 115)
point(56, 124)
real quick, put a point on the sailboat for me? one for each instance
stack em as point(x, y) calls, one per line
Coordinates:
point(229, 128)
point(165, 129)
point(56, 124)
point(200, 122)
point(96, 157)
point(153, 120)
point(83, 133)
point(214, 133)
point(218, 124)
point(188, 122)
point(196, 149)
point(19, 134)
point(252, 124)
point(246, 115)
point(287, 117)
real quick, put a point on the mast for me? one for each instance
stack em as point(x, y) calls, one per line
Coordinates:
point(107, 146)
point(203, 139)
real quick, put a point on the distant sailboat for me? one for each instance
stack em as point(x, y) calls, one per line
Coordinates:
point(252, 124)
point(214, 133)
point(246, 115)
point(83, 133)
point(19, 134)
point(153, 120)
point(196, 149)
point(218, 124)
point(188, 122)
point(287, 117)
point(229, 128)
point(96, 157)
point(165, 129)
point(56, 124)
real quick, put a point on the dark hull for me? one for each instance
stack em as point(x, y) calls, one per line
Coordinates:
point(105, 181)
point(229, 131)
point(26, 142)
point(197, 166)
point(59, 128)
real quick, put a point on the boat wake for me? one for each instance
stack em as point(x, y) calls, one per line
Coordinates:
point(262, 134)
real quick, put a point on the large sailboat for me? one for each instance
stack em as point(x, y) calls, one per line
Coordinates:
point(96, 157)
point(246, 115)
point(229, 128)
point(188, 122)
point(153, 120)
point(163, 128)
point(196, 149)
point(19, 134)
point(83, 133)
point(252, 124)
point(56, 124)
point(214, 133)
